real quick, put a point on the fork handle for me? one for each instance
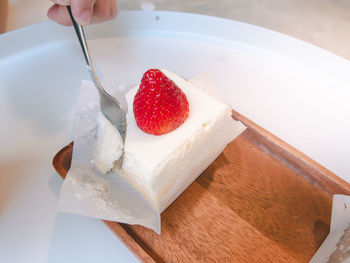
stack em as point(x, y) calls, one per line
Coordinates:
point(81, 37)
point(82, 41)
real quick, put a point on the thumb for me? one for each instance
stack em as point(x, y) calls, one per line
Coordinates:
point(82, 10)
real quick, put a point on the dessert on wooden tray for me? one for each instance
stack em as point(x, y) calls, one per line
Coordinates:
point(233, 211)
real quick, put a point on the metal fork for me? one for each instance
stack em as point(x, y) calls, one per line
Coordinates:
point(110, 107)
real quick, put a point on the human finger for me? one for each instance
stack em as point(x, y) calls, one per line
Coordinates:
point(59, 14)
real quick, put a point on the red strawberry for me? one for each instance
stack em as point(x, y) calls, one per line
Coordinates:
point(160, 106)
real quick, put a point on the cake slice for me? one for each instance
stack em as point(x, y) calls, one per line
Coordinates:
point(160, 167)
point(109, 145)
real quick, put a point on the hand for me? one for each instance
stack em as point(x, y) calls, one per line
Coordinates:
point(84, 11)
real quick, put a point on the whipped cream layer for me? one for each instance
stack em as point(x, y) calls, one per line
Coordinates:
point(161, 167)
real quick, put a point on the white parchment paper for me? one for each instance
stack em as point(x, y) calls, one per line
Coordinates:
point(86, 191)
point(336, 247)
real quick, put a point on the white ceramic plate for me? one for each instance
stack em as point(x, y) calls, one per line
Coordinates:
point(295, 90)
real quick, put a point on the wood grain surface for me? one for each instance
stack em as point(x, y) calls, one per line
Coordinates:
point(260, 201)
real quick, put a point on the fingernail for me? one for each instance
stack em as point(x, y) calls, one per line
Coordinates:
point(61, 2)
point(85, 17)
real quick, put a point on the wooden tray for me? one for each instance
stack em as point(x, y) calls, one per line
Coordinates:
point(260, 201)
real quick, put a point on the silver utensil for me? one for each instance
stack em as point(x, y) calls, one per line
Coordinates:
point(110, 107)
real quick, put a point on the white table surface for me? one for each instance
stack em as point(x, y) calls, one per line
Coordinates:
point(31, 230)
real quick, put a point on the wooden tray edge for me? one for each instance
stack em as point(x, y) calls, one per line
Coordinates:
point(129, 242)
point(294, 159)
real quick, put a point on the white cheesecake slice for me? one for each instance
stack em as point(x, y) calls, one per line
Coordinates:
point(161, 167)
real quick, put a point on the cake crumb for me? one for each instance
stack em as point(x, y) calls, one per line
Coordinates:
point(99, 194)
